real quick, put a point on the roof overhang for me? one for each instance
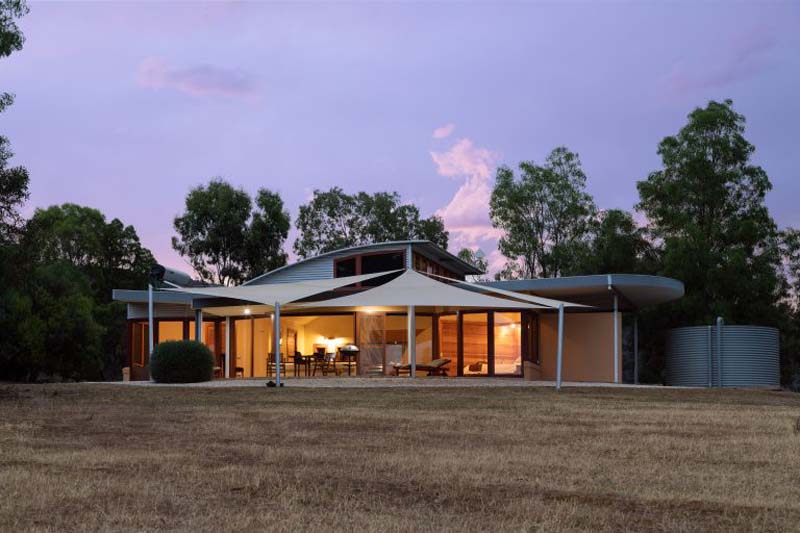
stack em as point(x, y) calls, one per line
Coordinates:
point(635, 291)
point(134, 296)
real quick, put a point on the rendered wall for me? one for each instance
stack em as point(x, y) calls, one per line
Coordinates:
point(588, 346)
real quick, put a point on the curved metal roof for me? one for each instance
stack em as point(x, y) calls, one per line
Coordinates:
point(635, 290)
point(426, 248)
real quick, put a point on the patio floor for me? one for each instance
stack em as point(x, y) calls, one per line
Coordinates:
point(380, 382)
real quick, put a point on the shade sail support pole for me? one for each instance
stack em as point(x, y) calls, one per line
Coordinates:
point(227, 346)
point(198, 325)
point(412, 339)
point(560, 353)
point(636, 349)
point(616, 338)
point(276, 338)
point(150, 332)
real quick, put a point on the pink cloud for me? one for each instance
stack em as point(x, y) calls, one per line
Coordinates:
point(464, 159)
point(199, 80)
point(444, 131)
point(466, 215)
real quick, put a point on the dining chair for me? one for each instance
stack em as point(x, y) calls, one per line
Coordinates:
point(299, 362)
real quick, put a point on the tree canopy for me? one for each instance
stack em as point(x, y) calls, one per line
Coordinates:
point(11, 37)
point(13, 180)
point(475, 258)
point(333, 219)
point(790, 248)
point(267, 233)
point(544, 212)
point(615, 244)
point(56, 304)
point(706, 206)
point(13, 193)
point(108, 253)
point(224, 240)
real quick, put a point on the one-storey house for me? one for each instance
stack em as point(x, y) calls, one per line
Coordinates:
point(405, 308)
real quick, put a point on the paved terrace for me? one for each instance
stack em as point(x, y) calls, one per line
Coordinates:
point(379, 382)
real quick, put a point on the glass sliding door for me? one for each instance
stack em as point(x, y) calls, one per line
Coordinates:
point(508, 344)
point(243, 348)
point(396, 342)
point(476, 344)
point(372, 343)
point(253, 346)
point(424, 335)
point(448, 340)
point(262, 347)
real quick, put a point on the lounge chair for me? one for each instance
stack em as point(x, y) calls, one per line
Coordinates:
point(437, 367)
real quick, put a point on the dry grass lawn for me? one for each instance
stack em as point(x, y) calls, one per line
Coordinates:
point(103, 457)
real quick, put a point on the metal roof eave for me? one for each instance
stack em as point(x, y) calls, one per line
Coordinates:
point(638, 290)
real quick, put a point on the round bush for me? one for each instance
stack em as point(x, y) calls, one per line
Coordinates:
point(181, 362)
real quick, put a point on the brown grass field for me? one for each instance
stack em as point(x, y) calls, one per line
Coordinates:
point(105, 457)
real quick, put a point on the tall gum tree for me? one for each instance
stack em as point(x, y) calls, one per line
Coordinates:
point(544, 212)
point(706, 208)
point(224, 239)
point(333, 219)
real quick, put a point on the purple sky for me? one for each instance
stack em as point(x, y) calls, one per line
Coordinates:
point(124, 107)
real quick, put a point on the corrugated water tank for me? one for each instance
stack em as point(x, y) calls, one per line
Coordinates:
point(745, 356)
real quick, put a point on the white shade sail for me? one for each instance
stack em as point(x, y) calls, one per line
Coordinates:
point(280, 293)
point(412, 288)
point(547, 302)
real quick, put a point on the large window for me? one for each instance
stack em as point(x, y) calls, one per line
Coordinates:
point(369, 264)
point(381, 262)
point(345, 268)
point(171, 330)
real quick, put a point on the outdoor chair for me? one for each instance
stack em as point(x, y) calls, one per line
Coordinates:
point(325, 363)
point(437, 367)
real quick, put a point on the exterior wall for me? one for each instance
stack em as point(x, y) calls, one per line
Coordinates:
point(588, 346)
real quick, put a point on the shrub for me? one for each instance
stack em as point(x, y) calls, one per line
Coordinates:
point(181, 362)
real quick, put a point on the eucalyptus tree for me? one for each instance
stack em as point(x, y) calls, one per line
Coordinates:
point(334, 219)
point(545, 214)
point(225, 239)
point(13, 180)
point(706, 208)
